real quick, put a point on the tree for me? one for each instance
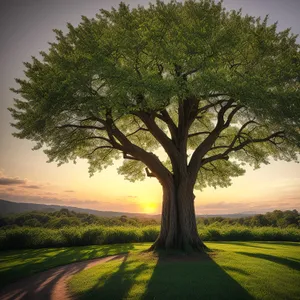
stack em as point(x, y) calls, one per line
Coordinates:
point(213, 89)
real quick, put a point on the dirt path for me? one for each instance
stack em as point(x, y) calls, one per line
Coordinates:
point(50, 284)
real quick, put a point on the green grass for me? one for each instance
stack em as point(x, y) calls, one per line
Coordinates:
point(232, 270)
point(17, 264)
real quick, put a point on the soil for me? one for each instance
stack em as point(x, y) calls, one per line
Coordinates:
point(50, 284)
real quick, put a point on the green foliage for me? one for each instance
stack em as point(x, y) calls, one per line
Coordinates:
point(277, 218)
point(28, 238)
point(91, 94)
point(65, 218)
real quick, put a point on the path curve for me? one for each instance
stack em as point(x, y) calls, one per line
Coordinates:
point(50, 284)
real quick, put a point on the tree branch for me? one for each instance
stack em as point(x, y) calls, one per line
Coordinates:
point(164, 116)
point(126, 156)
point(148, 173)
point(224, 155)
point(80, 126)
point(159, 134)
point(100, 147)
point(134, 132)
point(198, 133)
point(149, 159)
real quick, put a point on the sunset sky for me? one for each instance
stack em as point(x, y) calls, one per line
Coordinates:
point(25, 29)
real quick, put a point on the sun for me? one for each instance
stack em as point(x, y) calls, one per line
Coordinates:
point(150, 208)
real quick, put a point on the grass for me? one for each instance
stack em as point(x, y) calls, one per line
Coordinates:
point(17, 264)
point(34, 238)
point(232, 270)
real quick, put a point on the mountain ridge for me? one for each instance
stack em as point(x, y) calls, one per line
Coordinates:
point(11, 207)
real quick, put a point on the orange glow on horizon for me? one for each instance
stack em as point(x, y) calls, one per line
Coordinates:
point(150, 208)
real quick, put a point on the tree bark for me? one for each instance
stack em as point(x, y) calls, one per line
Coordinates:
point(178, 220)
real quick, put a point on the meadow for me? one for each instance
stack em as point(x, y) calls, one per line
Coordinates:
point(229, 270)
point(248, 258)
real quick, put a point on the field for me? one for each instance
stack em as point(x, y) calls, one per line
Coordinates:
point(253, 257)
point(230, 270)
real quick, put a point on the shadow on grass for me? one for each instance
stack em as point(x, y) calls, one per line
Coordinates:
point(236, 270)
point(40, 286)
point(282, 243)
point(167, 277)
point(279, 260)
point(118, 284)
point(246, 244)
point(192, 277)
point(34, 261)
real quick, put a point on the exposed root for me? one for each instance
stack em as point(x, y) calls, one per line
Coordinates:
point(187, 247)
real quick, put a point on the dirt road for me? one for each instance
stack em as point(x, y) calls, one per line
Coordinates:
point(50, 284)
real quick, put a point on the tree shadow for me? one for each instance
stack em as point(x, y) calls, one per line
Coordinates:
point(246, 244)
point(192, 277)
point(35, 261)
point(236, 270)
point(42, 285)
point(282, 243)
point(118, 284)
point(170, 277)
point(294, 264)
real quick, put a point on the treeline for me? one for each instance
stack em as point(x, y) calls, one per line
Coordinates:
point(277, 218)
point(66, 218)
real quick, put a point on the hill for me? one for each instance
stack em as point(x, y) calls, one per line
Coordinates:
point(8, 207)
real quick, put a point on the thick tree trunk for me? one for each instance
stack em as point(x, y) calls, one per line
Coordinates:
point(178, 221)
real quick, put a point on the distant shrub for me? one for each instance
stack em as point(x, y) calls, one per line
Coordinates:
point(34, 237)
point(120, 234)
point(150, 233)
point(72, 236)
point(93, 235)
point(28, 237)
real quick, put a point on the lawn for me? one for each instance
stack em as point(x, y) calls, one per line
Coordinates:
point(22, 263)
point(231, 270)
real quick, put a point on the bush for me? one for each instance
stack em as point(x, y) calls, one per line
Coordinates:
point(33, 237)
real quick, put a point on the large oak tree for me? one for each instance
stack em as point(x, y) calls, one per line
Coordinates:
point(213, 89)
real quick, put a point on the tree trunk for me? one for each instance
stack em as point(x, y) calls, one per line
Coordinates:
point(178, 220)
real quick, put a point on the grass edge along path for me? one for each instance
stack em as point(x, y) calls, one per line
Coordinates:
point(17, 264)
point(231, 270)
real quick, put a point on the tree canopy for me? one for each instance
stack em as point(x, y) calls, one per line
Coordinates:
point(129, 70)
point(213, 89)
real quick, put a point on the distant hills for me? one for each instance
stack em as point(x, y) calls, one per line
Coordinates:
point(9, 207)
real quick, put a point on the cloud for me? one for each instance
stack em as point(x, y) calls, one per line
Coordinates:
point(223, 207)
point(31, 186)
point(17, 182)
point(69, 191)
point(11, 181)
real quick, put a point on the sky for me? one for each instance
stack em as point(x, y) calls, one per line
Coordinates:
point(25, 176)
